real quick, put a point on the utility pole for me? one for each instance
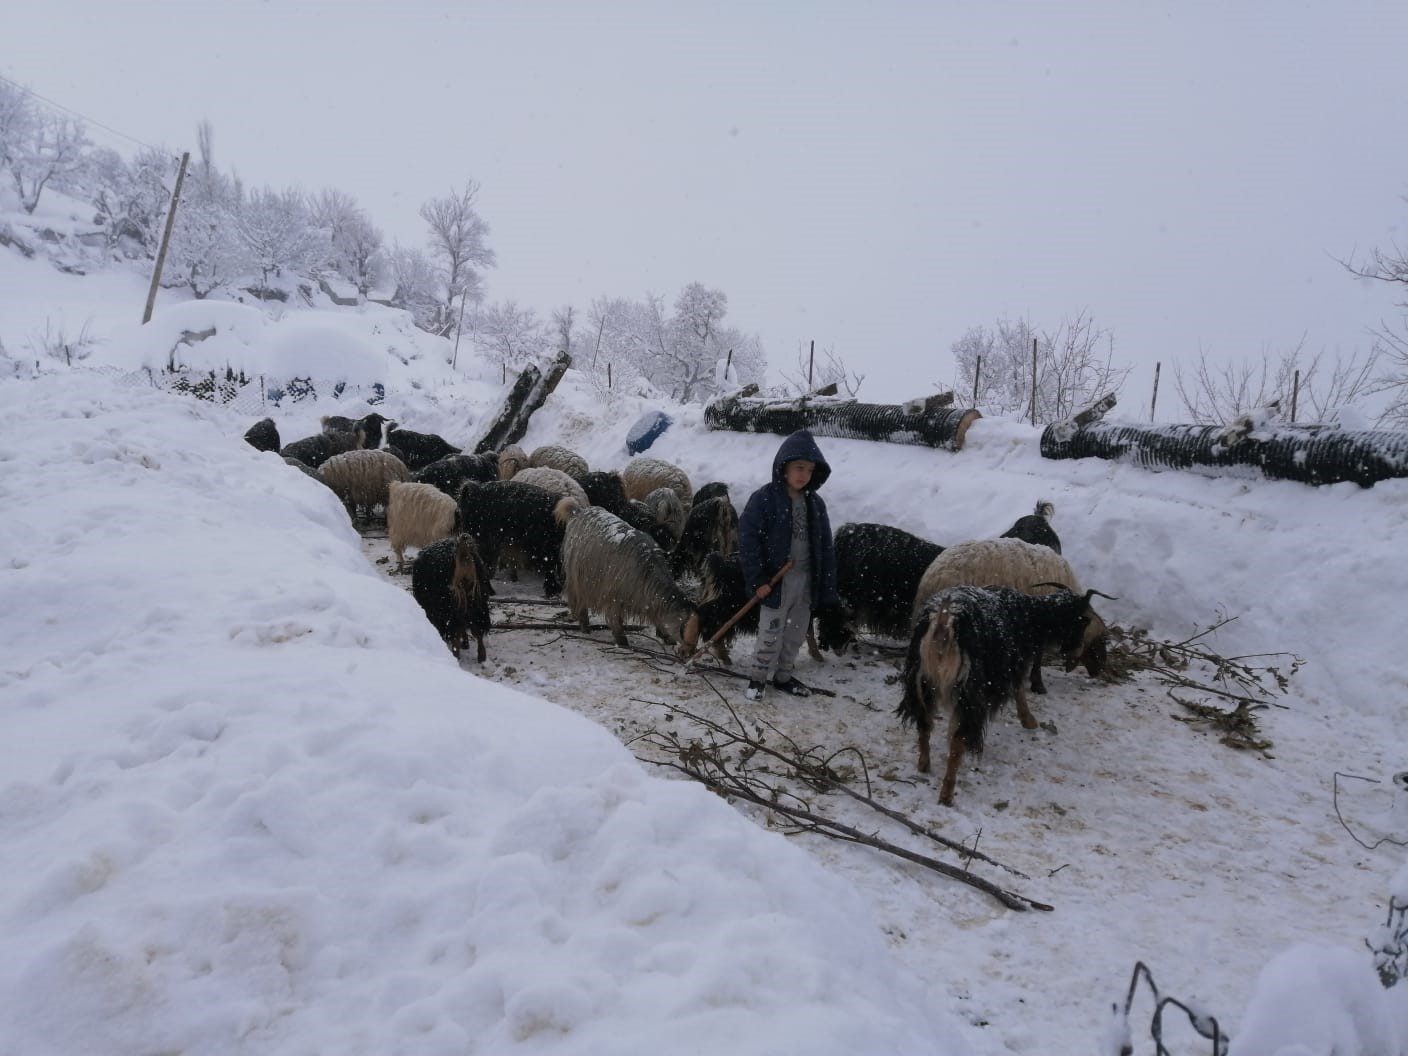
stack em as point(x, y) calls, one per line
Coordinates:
point(166, 237)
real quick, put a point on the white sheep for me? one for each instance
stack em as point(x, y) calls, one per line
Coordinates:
point(553, 480)
point(612, 568)
point(554, 456)
point(417, 515)
point(363, 478)
point(643, 475)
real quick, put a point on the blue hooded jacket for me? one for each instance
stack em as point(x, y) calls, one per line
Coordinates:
point(765, 529)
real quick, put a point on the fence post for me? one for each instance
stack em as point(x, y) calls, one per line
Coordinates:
point(811, 358)
point(608, 375)
point(1153, 402)
point(1033, 381)
point(977, 371)
point(1295, 394)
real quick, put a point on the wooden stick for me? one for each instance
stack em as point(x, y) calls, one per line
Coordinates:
point(747, 606)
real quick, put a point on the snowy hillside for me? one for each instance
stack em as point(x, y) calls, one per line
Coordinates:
point(250, 804)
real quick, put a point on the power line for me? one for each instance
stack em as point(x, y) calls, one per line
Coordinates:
point(82, 117)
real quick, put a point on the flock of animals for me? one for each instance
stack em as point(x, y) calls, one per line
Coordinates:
point(978, 616)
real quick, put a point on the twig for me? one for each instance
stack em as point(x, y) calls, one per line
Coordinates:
point(820, 776)
point(1335, 797)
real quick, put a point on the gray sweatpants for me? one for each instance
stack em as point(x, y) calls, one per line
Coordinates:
point(781, 631)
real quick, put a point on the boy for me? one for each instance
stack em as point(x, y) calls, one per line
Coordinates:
point(786, 521)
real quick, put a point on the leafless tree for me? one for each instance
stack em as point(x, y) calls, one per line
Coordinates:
point(1217, 392)
point(1390, 341)
point(1071, 368)
point(277, 233)
point(49, 150)
point(562, 322)
point(509, 335)
point(458, 242)
point(824, 370)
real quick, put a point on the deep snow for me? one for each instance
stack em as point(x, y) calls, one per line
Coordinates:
point(250, 804)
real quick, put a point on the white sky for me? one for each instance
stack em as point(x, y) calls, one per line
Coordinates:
point(878, 177)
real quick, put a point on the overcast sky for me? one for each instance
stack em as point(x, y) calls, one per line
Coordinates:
point(878, 177)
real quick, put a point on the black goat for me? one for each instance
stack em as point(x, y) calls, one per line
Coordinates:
point(368, 427)
point(451, 583)
point(1035, 528)
point(263, 435)
point(418, 450)
point(723, 593)
point(604, 489)
point(972, 648)
point(450, 472)
point(715, 489)
point(316, 449)
point(878, 569)
point(516, 521)
point(710, 525)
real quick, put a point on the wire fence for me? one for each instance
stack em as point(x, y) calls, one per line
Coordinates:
point(248, 395)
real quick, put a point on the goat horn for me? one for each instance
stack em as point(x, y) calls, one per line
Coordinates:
point(1058, 586)
point(1101, 593)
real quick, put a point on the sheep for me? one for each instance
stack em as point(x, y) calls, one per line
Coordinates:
point(878, 569)
point(642, 518)
point(417, 450)
point(1025, 566)
point(512, 459)
point(305, 468)
point(517, 522)
point(418, 515)
point(553, 456)
point(971, 649)
point(604, 489)
point(715, 489)
point(1036, 527)
point(553, 480)
point(667, 509)
point(643, 475)
point(450, 472)
point(451, 583)
point(363, 478)
point(615, 569)
point(316, 449)
point(711, 525)
point(263, 435)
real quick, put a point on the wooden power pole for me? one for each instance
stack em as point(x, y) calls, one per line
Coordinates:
point(166, 237)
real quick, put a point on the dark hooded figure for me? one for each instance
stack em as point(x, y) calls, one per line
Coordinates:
point(786, 521)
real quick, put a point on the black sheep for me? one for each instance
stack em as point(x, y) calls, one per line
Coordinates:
point(1035, 528)
point(974, 647)
point(263, 435)
point(516, 521)
point(878, 569)
point(316, 449)
point(418, 450)
point(715, 489)
point(604, 489)
point(451, 583)
point(710, 525)
point(450, 472)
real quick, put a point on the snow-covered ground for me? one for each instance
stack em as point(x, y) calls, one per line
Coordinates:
point(249, 803)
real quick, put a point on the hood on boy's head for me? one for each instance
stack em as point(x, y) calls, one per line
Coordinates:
point(801, 444)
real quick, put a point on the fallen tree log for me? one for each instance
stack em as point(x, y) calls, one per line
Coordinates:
point(920, 422)
point(530, 391)
point(1311, 454)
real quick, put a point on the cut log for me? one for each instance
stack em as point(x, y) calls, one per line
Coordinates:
point(934, 426)
point(1311, 454)
point(530, 391)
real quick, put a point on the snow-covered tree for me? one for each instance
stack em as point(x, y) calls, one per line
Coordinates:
point(356, 248)
point(45, 151)
point(1390, 340)
point(129, 198)
point(417, 285)
point(206, 252)
point(276, 232)
point(509, 335)
point(17, 117)
point(458, 243)
point(1071, 370)
point(675, 351)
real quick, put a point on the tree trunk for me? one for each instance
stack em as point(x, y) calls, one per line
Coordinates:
point(530, 391)
point(1311, 454)
point(931, 426)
